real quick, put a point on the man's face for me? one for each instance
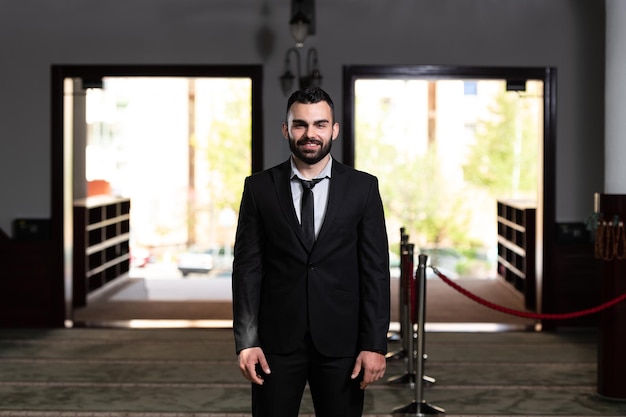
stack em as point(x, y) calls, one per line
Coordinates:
point(310, 131)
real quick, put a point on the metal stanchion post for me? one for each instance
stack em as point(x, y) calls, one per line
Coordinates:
point(406, 326)
point(419, 407)
point(401, 336)
point(408, 335)
point(405, 318)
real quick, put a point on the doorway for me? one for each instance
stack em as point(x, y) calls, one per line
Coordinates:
point(65, 167)
point(429, 108)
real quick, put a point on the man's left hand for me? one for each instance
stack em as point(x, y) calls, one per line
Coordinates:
point(373, 365)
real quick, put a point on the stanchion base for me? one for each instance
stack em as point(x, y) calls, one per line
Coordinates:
point(428, 379)
point(416, 409)
point(400, 354)
point(394, 336)
point(406, 379)
point(409, 379)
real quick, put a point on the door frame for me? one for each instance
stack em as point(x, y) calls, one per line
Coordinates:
point(546, 204)
point(61, 259)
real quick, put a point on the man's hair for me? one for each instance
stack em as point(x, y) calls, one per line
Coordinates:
point(310, 95)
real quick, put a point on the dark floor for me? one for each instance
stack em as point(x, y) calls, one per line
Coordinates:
point(98, 372)
point(161, 349)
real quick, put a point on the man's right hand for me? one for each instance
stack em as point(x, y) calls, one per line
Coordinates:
point(248, 360)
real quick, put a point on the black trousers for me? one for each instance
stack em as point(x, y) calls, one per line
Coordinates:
point(334, 394)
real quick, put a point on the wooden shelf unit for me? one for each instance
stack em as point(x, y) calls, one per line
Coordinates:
point(516, 246)
point(101, 243)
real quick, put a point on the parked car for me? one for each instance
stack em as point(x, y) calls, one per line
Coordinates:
point(196, 260)
point(222, 273)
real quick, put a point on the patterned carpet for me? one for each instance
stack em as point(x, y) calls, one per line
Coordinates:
point(96, 372)
point(483, 362)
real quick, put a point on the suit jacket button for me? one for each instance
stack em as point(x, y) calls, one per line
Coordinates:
point(311, 266)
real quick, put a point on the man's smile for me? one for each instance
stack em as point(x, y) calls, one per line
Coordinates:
point(311, 145)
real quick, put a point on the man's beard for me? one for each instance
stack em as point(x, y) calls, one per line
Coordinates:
point(309, 158)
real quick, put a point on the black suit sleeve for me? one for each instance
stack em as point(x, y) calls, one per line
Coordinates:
point(374, 270)
point(247, 272)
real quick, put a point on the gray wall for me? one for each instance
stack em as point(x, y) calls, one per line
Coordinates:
point(35, 34)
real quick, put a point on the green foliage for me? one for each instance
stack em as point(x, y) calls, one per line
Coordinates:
point(414, 189)
point(439, 209)
point(228, 149)
point(504, 157)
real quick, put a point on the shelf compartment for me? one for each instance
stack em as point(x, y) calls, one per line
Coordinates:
point(101, 243)
point(516, 246)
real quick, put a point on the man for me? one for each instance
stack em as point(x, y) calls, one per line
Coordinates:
point(315, 310)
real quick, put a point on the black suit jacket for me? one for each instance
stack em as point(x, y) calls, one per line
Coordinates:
point(338, 289)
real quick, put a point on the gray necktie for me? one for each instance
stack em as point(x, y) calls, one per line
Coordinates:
point(307, 217)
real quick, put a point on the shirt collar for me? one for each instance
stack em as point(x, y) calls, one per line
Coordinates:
point(324, 173)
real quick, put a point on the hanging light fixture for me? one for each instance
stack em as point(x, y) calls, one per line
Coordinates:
point(301, 24)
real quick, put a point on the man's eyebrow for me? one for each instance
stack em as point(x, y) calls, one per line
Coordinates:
point(304, 122)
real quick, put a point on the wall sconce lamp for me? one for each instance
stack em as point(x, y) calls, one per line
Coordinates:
point(313, 76)
point(301, 24)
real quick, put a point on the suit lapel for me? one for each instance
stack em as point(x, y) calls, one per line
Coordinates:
point(282, 182)
point(337, 188)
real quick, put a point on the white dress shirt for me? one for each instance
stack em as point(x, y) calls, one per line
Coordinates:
point(320, 193)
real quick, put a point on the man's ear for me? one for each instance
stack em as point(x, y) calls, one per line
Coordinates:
point(335, 131)
point(285, 130)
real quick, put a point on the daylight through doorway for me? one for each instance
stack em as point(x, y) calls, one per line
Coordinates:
point(445, 151)
point(142, 160)
point(445, 141)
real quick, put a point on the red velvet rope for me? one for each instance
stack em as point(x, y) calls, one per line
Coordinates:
point(537, 316)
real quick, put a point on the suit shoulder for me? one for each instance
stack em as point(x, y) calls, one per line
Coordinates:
point(267, 174)
point(353, 172)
